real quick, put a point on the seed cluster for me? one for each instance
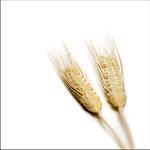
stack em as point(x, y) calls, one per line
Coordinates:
point(112, 80)
point(81, 89)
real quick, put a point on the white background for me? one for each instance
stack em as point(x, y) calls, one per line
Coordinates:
point(37, 111)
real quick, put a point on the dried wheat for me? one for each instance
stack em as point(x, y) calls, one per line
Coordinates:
point(80, 87)
point(111, 74)
point(78, 84)
point(109, 66)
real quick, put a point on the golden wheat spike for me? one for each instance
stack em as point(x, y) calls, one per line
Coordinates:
point(81, 89)
point(110, 68)
point(111, 75)
point(77, 83)
point(112, 81)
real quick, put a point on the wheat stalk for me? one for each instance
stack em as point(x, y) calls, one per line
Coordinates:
point(80, 87)
point(110, 69)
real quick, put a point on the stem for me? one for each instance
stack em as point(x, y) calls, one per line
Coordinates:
point(126, 127)
point(116, 136)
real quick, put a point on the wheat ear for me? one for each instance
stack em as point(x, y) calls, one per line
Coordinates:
point(80, 87)
point(110, 69)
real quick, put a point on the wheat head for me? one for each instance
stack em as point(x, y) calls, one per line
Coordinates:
point(110, 69)
point(77, 83)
